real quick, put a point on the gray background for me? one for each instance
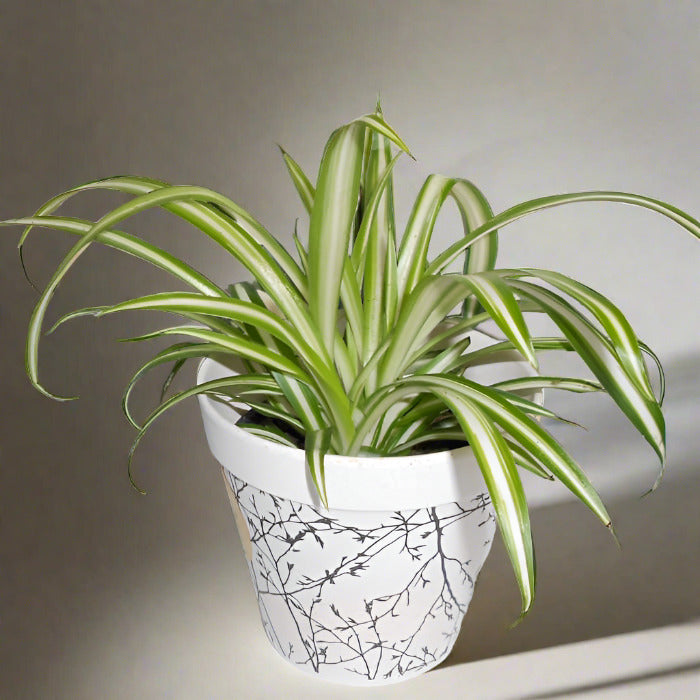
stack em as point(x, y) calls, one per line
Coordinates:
point(106, 593)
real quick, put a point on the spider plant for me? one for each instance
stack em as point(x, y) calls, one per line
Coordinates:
point(359, 345)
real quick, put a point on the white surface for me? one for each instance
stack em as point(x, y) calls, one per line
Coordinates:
point(664, 662)
point(657, 663)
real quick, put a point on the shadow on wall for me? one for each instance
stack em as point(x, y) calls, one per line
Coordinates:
point(587, 587)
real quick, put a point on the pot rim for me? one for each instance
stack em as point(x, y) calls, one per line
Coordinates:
point(353, 483)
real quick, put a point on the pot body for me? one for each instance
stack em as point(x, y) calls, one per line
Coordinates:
point(356, 596)
point(372, 591)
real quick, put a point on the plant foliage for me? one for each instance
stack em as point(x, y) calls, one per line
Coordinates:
point(361, 343)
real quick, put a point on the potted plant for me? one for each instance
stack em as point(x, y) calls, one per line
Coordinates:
point(383, 432)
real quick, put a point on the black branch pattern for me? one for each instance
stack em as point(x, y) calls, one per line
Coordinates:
point(376, 594)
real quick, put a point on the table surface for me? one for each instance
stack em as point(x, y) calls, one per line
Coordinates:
point(107, 594)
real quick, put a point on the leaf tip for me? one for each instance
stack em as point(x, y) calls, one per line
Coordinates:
point(610, 527)
point(657, 482)
point(131, 457)
point(521, 617)
point(137, 488)
point(54, 397)
point(575, 424)
point(20, 250)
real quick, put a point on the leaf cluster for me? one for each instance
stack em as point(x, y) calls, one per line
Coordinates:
point(359, 342)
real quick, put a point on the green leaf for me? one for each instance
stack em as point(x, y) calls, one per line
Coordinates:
point(365, 373)
point(420, 418)
point(125, 243)
point(445, 333)
point(662, 377)
point(302, 400)
point(235, 343)
point(422, 433)
point(382, 238)
point(540, 382)
point(270, 411)
point(504, 351)
point(524, 459)
point(445, 359)
point(228, 386)
point(316, 447)
point(376, 123)
point(533, 205)
point(239, 310)
point(618, 328)
point(174, 353)
point(269, 432)
point(174, 371)
point(301, 252)
point(430, 302)
point(302, 184)
point(425, 438)
point(332, 215)
point(416, 239)
point(352, 302)
point(530, 407)
point(505, 488)
point(208, 216)
point(253, 256)
point(249, 292)
point(522, 428)
point(333, 398)
point(475, 211)
point(354, 267)
point(597, 352)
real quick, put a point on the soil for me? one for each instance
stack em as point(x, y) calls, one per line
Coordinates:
point(255, 418)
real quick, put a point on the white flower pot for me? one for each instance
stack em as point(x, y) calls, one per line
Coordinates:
point(372, 591)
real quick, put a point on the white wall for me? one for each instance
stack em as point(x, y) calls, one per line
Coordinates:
point(524, 97)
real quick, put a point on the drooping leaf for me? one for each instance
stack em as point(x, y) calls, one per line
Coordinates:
point(232, 236)
point(125, 243)
point(228, 386)
point(174, 353)
point(541, 382)
point(475, 211)
point(413, 251)
point(533, 205)
point(618, 328)
point(522, 428)
point(505, 488)
point(597, 352)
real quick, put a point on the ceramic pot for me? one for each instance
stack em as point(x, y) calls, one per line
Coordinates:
point(372, 591)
